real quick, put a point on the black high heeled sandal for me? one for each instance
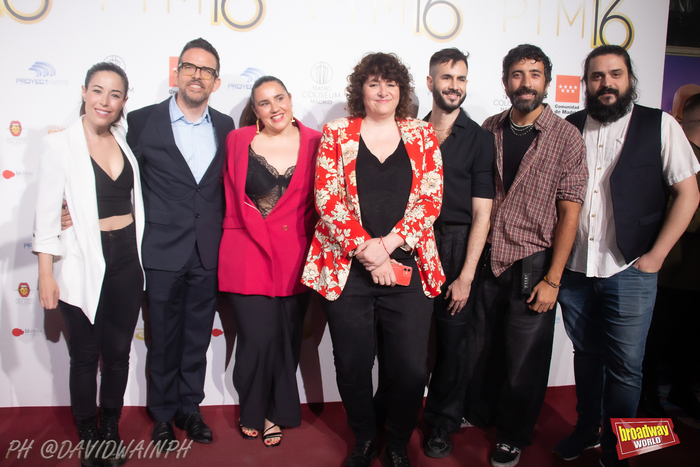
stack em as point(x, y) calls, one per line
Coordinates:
point(271, 436)
point(245, 435)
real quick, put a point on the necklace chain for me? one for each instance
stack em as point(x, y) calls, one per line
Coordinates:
point(519, 130)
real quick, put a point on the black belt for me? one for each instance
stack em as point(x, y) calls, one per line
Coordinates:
point(443, 229)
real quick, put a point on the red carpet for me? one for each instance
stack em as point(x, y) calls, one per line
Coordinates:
point(324, 439)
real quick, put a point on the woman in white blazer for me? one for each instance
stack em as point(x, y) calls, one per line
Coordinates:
point(92, 270)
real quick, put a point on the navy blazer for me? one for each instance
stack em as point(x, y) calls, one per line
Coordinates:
point(179, 211)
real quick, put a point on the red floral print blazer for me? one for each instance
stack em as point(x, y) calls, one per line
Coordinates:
point(339, 230)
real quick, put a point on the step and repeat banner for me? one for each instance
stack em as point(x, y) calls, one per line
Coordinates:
point(312, 45)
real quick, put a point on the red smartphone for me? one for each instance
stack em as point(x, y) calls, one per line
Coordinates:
point(402, 273)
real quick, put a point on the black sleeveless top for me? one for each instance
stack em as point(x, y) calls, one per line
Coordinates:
point(383, 190)
point(263, 184)
point(113, 196)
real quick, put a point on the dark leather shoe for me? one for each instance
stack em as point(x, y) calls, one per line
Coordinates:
point(396, 458)
point(163, 435)
point(362, 454)
point(438, 444)
point(197, 430)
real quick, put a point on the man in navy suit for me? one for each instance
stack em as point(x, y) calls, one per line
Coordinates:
point(179, 144)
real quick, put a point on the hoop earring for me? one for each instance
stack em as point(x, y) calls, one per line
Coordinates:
point(257, 126)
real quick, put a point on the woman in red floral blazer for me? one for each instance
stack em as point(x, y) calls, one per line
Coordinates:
point(378, 192)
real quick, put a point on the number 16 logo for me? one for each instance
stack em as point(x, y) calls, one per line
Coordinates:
point(599, 25)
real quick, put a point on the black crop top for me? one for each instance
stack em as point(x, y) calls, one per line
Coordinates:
point(113, 196)
point(263, 184)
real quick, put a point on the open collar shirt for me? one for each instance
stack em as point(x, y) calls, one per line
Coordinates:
point(196, 141)
point(595, 252)
point(553, 169)
point(467, 158)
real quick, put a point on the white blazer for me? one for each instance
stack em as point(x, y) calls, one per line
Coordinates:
point(65, 170)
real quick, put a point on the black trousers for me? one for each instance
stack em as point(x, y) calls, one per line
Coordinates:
point(510, 349)
point(444, 405)
point(267, 356)
point(181, 307)
point(111, 334)
point(404, 315)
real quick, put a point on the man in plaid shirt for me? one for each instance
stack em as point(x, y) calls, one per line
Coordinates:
point(540, 185)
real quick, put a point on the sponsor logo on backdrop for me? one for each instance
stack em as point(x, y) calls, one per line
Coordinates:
point(16, 132)
point(567, 97)
point(116, 60)
point(24, 299)
point(637, 436)
point(44, 73)
point(28, 246)
point(17, 332)
point(321, 93)
point(23, 289)
point(15, 128)
point(568, 88)
point(172, 76)
point(8, 174)
point(140, 334)
point(55, 128)
point(246, 79)
point(216, 332)
point(502, 103)
point(321, 73)
point(43, 69)
point(26, 17)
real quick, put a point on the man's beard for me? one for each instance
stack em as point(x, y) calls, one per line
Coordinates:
point(522, 106)
point(606, 113)
point(194, 101)
point(443, 103)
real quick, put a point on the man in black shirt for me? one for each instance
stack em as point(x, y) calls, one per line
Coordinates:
point(460, 232)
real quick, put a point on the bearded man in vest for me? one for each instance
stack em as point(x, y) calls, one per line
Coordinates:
point(637, 157)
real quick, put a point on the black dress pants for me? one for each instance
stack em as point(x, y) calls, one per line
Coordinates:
point(404, 314)
point(267, 356)
point(444, 406)
point(510, 349)
point(181, 307)
point(111, 334)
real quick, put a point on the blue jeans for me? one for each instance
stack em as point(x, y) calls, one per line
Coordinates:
point(607, 320)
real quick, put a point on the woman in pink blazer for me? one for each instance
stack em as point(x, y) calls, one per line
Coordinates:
point(269, 221)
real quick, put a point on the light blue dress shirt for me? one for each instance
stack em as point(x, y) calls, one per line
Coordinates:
point(196, 141)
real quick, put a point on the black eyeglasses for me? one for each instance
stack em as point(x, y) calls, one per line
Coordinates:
point(190, 69)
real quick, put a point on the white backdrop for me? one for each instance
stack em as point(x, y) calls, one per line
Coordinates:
point(312, 46)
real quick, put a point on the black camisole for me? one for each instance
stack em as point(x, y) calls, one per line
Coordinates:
point(113, 196)
point(263, 184)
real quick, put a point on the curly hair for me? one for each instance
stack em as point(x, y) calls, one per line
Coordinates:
point(386, 66)
point(527, 52)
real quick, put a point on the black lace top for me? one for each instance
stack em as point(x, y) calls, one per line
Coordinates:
point(263, 184)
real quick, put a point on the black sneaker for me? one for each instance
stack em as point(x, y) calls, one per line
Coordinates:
point(571, 447)
point(438, 444)
point(505, 455)
point(362, 454)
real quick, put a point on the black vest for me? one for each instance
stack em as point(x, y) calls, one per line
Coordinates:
point(639, 191)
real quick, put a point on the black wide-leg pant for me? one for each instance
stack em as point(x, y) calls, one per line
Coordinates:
point(510, 349)
point(404, 314)
point(267, 356)
point(111, 334)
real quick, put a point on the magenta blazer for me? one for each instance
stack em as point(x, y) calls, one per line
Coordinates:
point(266, 256)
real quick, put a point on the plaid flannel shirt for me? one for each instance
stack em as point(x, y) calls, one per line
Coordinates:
point(553, 168)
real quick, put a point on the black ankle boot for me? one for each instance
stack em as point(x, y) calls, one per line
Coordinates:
point(109, 428)
point(90, 436)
